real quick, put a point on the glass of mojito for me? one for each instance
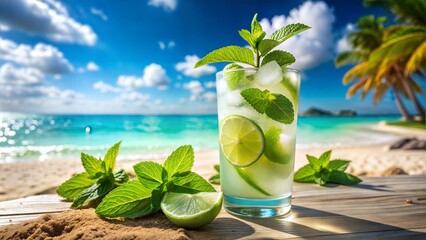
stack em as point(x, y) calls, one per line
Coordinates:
point(257, 97)
point(257, 151)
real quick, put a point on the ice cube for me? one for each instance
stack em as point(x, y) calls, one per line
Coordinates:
point(234, 98)
point(269, 74)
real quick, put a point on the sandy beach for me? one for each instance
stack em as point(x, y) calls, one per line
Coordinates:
point(29, 178)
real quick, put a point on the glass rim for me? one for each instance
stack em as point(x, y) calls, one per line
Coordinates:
point(254, 69)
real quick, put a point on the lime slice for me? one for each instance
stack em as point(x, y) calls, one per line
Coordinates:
point(234, 75)
point(192, 210)
point(241, 140)
point(274, 149)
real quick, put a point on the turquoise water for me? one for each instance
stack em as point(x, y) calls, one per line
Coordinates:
point(42, 137)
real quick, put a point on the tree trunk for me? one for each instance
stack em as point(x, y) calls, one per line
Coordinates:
point(411, 94)
point(401, 107)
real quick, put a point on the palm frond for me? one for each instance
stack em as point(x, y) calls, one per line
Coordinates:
point(355, 87)
point(417, 60)
point(350, 57)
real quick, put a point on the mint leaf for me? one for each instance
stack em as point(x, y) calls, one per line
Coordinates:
point(111, 157)
point(228, 54)
point(150, 174)
point(92, 165)
point(96, 191)
point(75, 186)
point(258, 99)
point(217, 167)
point(121, 177)
point(129, 198)
point(234, 75)
point(280, 109)
point(215, 179)
point(324, 159)
point(340, 177)
point(246, 35)
point(257, 31)
point(267, 45)
point(191, 183)
point(288, 31)
point(340, 165)
point(314, 162)
point(180, 161)
point(153, 206)
point(281, 57)
point(305, 174)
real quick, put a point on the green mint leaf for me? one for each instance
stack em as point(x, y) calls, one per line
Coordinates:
point(250, 182)
point(267, 45)
point(92, 165)
point(75, 186)
point(325, 174)
point(314, 162)
point(217, 167)
point(125, 200)
point(180, 161)
point(258, 99)
point(246, 35)
point(257, 31)
point(191, 183)
point(111, 156)
point(305, 174)
point(340, 177)
point(318, 179)
point(228, 54)
point(233, 78)
point(150, 174)
point(338, 164)
point(280, 109)
point(121, 177)
point(154, 206)
point(92, 193)
point(324, 159)
point(281, 57)
point(215, 179)
point(288, 31)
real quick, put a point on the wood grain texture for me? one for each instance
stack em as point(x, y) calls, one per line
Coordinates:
point(376, 208)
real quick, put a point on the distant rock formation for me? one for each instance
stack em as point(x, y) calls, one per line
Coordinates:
point(349, 113)
point(317, 112)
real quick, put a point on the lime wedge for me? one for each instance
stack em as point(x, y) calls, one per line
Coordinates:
point(192, 210)
point(241, 140)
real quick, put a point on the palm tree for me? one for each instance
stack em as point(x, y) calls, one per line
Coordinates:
point(368, 74)
point(405, 47)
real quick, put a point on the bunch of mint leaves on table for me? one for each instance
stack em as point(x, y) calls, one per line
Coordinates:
point(185, 197)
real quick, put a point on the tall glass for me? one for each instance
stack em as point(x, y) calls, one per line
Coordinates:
point(263, 187)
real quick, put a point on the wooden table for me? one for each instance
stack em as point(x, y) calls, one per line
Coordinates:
point(377, 208)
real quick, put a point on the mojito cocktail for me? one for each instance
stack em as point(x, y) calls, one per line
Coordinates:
point(257, 97)
point(256, 151)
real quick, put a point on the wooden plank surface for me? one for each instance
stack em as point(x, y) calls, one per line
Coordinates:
point(374, 209)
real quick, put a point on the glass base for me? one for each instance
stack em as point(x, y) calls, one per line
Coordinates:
point(257, 208)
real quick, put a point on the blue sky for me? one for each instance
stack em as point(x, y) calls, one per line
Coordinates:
point(136, 56)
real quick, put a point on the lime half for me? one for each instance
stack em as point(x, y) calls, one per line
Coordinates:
point(192, 210)
point(241, 140)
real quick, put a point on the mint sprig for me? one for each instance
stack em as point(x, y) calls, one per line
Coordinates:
point(321, 170)
point(96, 182)
point(142, 197)
point(215, 179)
point(260, 47)
point(274, 105)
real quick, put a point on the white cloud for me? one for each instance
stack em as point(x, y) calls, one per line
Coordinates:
point(211, 84)
point(105, 87)
point(187, 67)
point(158, 102)
point(182, 100)
point(130, 82)
point(46, 58)
point(342, 44)
point(198, 93)
point(168, 5)
point(91, 66)
point(155, 75)
point(99, 13)
point(135, 97)
point(46, 18)
point(4, 28)
point(164, 45)
point(11, 75)
point(314, 46)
